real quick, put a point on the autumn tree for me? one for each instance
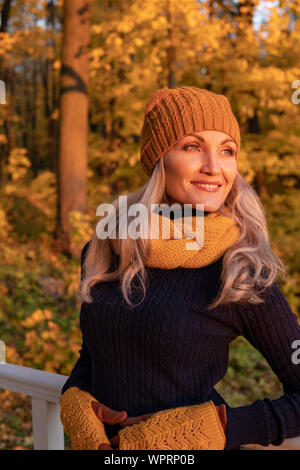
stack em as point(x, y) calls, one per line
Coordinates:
point(72, 165)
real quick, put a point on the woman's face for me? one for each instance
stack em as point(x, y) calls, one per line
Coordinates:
point(207, 157)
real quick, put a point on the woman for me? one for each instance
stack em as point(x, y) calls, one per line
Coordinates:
point(153, 350)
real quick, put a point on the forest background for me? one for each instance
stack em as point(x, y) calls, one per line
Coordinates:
point(78, 75)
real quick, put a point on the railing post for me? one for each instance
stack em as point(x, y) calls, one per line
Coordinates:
point(44, 388)
point(48, 433)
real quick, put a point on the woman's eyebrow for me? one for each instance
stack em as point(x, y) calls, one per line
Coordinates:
point(203, 140)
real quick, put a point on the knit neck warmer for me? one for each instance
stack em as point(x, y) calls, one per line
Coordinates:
point(218, 234)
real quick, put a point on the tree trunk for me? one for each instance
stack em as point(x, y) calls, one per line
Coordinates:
point(72, 165)
point(5, 15)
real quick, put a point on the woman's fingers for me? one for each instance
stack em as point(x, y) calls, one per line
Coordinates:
point(104, 447)
point(112, 416)
point(108, 415)
point(95, 405)
point(135, 419)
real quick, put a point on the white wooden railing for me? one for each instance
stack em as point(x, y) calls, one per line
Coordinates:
point(44, 388)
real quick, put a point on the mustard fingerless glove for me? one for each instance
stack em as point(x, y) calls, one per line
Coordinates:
point(80, 422)
point(195, 427)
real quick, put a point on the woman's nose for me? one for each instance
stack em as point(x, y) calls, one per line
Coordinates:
point(210, 163)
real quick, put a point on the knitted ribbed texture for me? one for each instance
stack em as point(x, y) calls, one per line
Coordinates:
point(80, 422)
point(219, 233)
point(194, 427)
point(171, 351)
point(173, 113)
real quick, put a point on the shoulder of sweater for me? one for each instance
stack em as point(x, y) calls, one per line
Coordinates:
point(273, 313)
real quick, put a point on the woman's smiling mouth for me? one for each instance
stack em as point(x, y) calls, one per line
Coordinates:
point(208, 187)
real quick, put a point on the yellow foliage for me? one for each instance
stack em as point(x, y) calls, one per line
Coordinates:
point(37, 317)
point(126, 26)
point(7, 42)
point(81, 227)
point(5, 227)
point(12, 355)
point(96, 28)
point(138, 42)
point(46, 343)
point(55, 114)
point(3, 139)
point(18, 164)
point(56, 65)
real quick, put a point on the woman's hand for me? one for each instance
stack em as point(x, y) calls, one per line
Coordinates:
point(109, 416)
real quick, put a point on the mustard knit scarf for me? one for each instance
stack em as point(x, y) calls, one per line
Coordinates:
point(218, 234)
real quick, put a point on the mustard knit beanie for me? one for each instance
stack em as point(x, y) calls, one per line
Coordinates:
point(173, 113)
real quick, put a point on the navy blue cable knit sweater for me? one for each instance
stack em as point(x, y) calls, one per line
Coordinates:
point(171, 351)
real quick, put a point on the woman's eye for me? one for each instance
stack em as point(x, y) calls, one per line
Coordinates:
point(191, 145)
point(229, 150)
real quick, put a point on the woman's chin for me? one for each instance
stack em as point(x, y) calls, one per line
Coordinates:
point(207, 207)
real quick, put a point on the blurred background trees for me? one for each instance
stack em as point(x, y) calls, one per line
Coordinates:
point(78, 75)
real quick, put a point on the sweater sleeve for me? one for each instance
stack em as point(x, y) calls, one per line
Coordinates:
point(273, 329)
point(77, 416)
point(81, 373)
point(79, 420)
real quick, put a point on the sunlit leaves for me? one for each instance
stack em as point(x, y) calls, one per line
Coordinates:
point(18, 164)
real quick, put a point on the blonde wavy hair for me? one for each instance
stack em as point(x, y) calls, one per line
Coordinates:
point(249, 265)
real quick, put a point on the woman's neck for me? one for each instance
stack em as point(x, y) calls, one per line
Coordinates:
point(195, 212)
